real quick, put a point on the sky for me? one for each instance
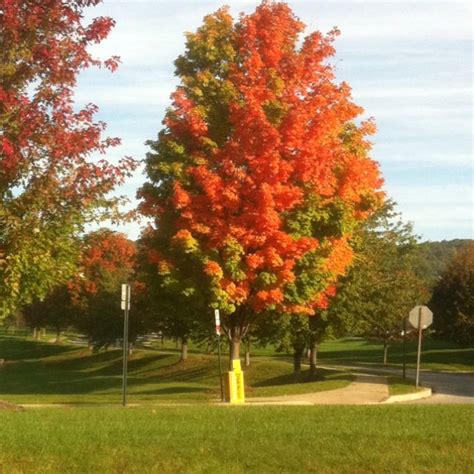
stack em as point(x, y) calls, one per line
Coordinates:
point(409, 64)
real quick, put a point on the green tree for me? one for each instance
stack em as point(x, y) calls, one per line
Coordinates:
point(382, 285)
point(55, 311)
point(452, 301)
point(435, 258)
point(299, 335)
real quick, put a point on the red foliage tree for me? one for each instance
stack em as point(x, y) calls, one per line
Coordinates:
point(262, 171)
point(50, 185)
point(108, 260)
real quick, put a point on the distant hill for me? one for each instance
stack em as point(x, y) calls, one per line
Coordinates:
point(435, 256)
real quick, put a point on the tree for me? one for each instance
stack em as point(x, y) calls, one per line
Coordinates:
point(108, 260)
point(300, 335)
point(382, 285)
point(452, 301)
point(168, 308)
point(261, 173)
point(56, 311)
point(50, 183)
point(435, 257)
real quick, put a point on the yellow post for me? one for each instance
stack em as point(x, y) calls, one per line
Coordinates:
point(236, 383)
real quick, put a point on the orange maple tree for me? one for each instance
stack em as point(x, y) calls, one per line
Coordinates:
point(261, 172)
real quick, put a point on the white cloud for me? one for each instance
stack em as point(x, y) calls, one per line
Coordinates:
point(409, 160)
point(382, 90)
point(437, 210)
point(149, 95)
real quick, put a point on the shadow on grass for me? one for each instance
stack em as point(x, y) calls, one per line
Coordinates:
point(174, 390)
point(304, 377)
point(13, 349)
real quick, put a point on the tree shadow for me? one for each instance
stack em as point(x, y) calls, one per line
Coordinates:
point(14, 349)
point(302, 378)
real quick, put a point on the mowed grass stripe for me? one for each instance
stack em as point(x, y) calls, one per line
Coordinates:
point(239, 439)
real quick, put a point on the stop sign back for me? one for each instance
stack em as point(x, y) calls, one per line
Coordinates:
point(422, 315)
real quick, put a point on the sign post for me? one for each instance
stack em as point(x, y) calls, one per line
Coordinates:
point(125, 305)
point(404, 347)
point(420, 317)
point(218, 334)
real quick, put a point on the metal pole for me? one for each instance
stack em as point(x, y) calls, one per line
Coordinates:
point(418, 359)
point(125, 348)
point(404, 347)
point(220, 365)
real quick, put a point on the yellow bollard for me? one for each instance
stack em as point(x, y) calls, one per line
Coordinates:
point(236, 383)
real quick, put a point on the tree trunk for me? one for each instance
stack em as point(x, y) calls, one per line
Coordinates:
point(237, 330)
point(184, 348)
point(234, 351)
point(313, 358)
point(35, 333)
point(297, 356)
point(58, 335)
point(385, 353)
point(43, 332)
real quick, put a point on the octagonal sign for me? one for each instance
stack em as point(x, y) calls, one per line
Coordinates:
point(421, 314)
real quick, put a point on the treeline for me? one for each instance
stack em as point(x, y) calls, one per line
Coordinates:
point(389, 276)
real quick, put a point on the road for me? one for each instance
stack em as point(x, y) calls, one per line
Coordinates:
point(447, 387)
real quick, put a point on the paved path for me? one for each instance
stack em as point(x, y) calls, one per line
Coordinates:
point(365, 390)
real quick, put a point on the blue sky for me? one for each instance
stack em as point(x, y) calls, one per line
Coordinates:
point(409, 64)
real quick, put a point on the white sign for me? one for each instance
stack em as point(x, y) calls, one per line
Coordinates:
point(218, 321)
point(125, 300)
point(422, 315)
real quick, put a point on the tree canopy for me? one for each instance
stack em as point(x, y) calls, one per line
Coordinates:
point(452, 301)
point(107, 261)
point(51, 180)
point(261, 172)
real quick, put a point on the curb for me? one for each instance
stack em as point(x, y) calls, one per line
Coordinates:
point(408, 397)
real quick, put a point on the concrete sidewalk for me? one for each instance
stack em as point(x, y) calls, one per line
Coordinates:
point(366, 389)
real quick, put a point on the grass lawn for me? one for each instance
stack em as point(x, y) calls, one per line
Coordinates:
point(401, 386)
point(202, 439)
point(41, 372)
point(436, 355)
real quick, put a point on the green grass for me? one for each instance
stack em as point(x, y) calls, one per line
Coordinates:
point(200, 439)
point(41, 372)
point(436, 355)
point(401, 386)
